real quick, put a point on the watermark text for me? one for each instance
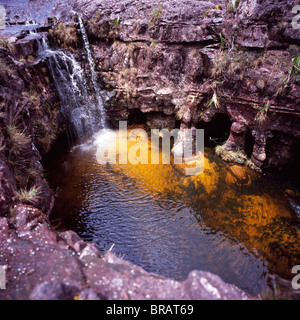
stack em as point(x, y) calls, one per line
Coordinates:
point(2, 278)
point(132, 147)
point(295, 23)
point(296, 279)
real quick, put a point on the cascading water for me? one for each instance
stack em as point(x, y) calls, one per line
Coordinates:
point(81, 106)
point(94, 76)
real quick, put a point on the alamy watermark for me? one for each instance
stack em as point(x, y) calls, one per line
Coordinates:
point(188, 146)
point(295, 24)
point(2, 278)
point(2, 17)
point(296, 279)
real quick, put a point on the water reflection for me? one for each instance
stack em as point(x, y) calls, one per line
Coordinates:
point(228, 220)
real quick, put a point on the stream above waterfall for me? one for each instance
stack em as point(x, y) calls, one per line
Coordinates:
point(228, 220)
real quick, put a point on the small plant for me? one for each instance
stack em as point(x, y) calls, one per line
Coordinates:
point(44, 135)
point(235, 4)
point(155, 20)
point(222, 40)
point(262, 114)
point(2, 142)
point(249, 163)
point(232, 156)
point(221, 63)
point(116, 22)
point(214, 100)
point(4, 43)
point(99, 27)
point(18, 141)
point(5, 71)
point(179, 112)
point(113, 27)
point(66, 36)
point(296, 65)
point(28, 196)
point(156, 16)
point(232, 5)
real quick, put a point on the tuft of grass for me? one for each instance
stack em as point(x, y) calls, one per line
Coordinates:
point(156, 16)
point(30, 196)
point(116, 22)
point(2, 142)
point(221, 63)
point(222, 41)
point(263, 113)
point(99, 27)
point(43, 135)
point(252, 166)
point(154, 43)
point(214, 100)
point(4, 43)
point(231, 6)
point(232, 156)
point(66, 36)
point(18, 141)
point(236, 157)
point(155, 20)
point(5, 72)
point(296, 65)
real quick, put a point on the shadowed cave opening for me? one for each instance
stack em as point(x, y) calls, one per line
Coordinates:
point(136, 116)
point(217, 131)
point(249, 143)
point(283, 156)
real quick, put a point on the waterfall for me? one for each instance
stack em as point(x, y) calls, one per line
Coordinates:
point(81, 106)
point(94, 76)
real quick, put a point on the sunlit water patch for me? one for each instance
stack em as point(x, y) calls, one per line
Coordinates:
point(227, 220)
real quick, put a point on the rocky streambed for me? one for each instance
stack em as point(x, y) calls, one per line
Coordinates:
point(163, 63)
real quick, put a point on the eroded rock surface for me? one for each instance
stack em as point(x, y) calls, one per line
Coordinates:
point(42, 264)
point(167, 58)
point(164, 60)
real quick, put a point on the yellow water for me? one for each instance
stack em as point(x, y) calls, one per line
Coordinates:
point(227, 220)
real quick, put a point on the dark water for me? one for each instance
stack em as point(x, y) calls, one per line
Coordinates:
point(228, 220)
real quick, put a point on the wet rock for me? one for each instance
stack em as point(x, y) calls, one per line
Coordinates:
point(23, 48)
